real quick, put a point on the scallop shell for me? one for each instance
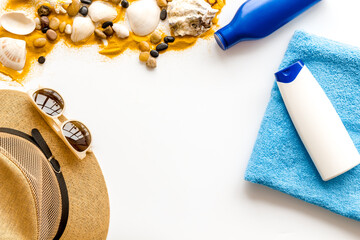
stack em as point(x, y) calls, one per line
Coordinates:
point(82, 28)
point(13, 53)
point(102, 12)
point(144, 17)
point(17, 23)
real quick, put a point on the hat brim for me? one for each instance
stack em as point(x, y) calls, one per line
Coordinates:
point(89, 210)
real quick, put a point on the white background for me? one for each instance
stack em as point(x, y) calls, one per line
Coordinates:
point(174, 143)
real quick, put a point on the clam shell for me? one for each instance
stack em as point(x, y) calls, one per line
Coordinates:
point(17, 23)
point(143, 16)
point(13, 53)
point(82, 28)
point(102, 12)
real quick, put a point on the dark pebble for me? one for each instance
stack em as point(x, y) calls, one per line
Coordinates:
point(44, 11)
point(45, 29)
point(106, 24)
point(169, 39)
point(154, 53)
point(41, 60)
point(124, 3)
point(163, 14)
point(86, 1)
point(161, 47)
point(44, 21)
point(84, 11)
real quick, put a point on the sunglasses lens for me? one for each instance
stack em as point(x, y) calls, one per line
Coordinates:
point(49, 101)
point(77, 135)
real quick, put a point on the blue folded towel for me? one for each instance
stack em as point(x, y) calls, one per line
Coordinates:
point(280, 160)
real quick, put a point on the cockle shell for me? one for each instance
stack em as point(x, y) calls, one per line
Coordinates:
point(17, 23)
point(144, 17)
point(13, 53)
point(82, 28)
point(190, 17)
point(101, 12)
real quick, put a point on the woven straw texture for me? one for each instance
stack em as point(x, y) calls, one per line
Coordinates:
point(88, 197)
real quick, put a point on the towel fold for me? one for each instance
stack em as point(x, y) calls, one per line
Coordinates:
point(280, 160)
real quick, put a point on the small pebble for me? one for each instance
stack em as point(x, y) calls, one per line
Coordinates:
point(84, 11)
point(154, 53)
point(144, 56)
point(124, 3)
point(120, 30)
point(73, 8)
point(169, 39)
point(161, 47)
point(144, 46)
point(155, 38)
point(108, 31)
point(163, 14)
point(68, 29)
point(162, 3)
point(106, 24)
point(39, 42)
point(41, 60)
point(38, 23)
point(45, 29)
point(86, 1)
point(62, 27)
point(151, 62)
point(54, 23)
point(44, 11)
point(51, 35)
point(100, 34)
point(44, 21)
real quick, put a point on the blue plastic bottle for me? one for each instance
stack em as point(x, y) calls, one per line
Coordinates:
point(258, 18)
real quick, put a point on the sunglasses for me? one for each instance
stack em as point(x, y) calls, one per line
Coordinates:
point(51, 106)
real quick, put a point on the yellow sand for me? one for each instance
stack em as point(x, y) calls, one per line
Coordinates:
point(115, 47)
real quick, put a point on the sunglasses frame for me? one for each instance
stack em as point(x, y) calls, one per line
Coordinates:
point(58, 122)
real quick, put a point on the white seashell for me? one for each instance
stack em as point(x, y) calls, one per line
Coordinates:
point(190, 17)
point(13, 53)
point(17, 23)
point(82, 28)
point(68, 29)
point(120, 30)
point(102, 12)
point(144, 17)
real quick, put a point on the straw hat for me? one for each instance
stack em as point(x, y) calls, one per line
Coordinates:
point(88, 197)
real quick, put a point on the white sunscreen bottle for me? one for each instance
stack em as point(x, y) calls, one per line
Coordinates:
point(317, 122)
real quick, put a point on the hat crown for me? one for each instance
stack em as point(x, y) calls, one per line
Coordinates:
point(41, 206)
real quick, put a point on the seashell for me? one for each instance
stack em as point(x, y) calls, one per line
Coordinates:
point(17, 23)
point(58, 5)
point(190, 17)
point(82, 29)
point(120, 30)
point(144, 17)
point(102, 12)
point(13, 53)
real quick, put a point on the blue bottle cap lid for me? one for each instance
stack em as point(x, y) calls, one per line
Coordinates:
point(289, 74)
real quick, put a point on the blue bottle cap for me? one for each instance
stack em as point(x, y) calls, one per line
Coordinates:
point(289, 74)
